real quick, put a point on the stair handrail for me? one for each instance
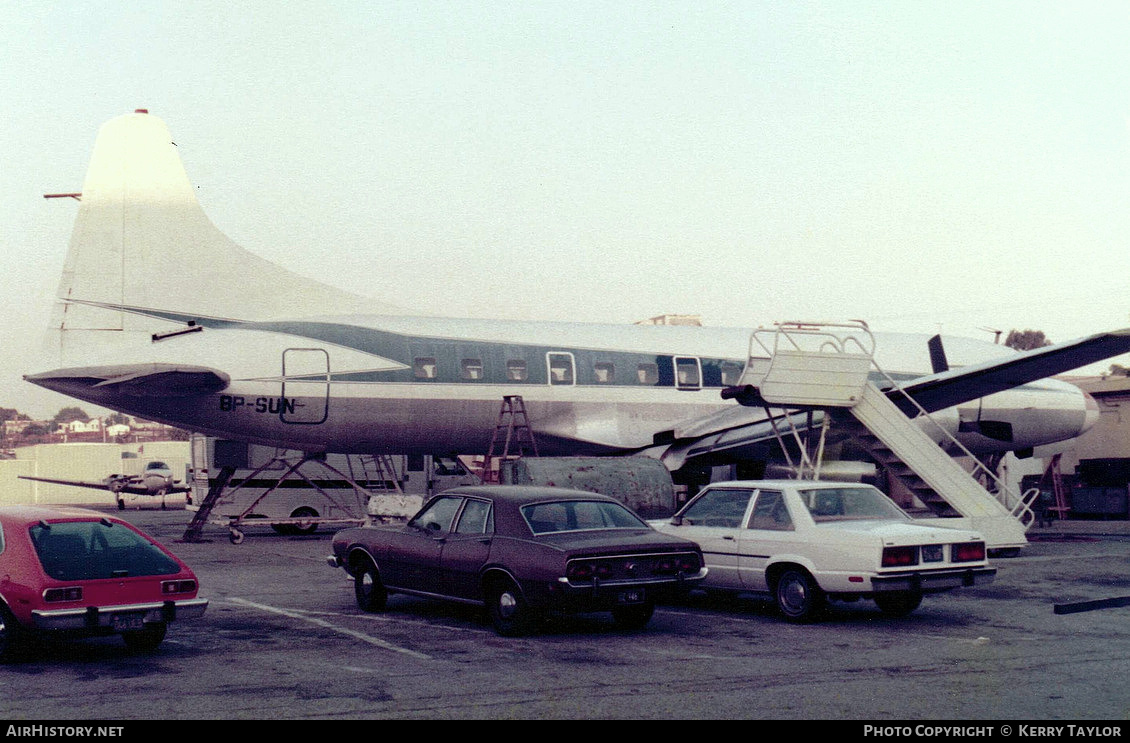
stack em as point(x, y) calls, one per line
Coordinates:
point(1019, 504)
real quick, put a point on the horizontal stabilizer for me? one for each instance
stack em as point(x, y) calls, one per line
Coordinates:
point(136, 380)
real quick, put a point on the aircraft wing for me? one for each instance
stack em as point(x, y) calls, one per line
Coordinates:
point(119, 486)
point(124, 488)
point(955, 386)
point(746, 426)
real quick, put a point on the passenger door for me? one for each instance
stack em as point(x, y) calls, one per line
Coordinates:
point(413, 559)
point(466, 549)
point(714, 519)
point(769, 531)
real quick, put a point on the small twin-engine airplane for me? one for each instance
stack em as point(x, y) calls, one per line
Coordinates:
point(237, 347)
point(156, 480)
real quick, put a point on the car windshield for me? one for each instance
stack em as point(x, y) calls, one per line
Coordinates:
point(579, 515)
point(88, 550)
point(844, 504)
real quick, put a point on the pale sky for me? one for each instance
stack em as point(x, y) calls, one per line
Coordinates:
point(924, 166)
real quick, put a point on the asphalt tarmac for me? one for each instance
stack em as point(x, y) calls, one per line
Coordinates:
point(283, 639)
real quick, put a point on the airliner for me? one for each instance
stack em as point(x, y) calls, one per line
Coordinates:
point(240, 348)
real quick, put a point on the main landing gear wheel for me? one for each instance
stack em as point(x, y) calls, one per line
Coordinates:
point(235, 536)
point(798, 597)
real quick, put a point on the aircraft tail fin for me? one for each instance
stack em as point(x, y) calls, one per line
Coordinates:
point(142, 248)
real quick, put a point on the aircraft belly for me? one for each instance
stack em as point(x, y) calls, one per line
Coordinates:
point(402, 419)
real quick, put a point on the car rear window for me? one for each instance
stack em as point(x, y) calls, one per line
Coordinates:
point(88, 550)
point(546, 518)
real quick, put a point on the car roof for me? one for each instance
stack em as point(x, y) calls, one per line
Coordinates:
point(800, 484)
point(34, 514)
point(522, 494)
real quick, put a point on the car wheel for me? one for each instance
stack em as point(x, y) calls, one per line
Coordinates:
point(367, 587)
point(898, 604)
point(509, 613)
point(11, 636)
point(798, 597)
point(633, 617)
point(145, 639)
point(305, 512)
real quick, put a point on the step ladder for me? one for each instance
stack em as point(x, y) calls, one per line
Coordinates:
point(513, 438)
point(828, 366)
point(1053, 475)
point(378, 472)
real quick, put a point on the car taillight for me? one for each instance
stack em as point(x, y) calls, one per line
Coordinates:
point(897, 557)
point(579, 571)
point(969, 552)
point(178, 586)
point(689, 564)
point(56, 595)
point(602, 570)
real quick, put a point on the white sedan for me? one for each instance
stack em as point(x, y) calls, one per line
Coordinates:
point(805, 542)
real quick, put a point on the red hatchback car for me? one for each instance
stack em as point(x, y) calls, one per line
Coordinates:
point(81, 572)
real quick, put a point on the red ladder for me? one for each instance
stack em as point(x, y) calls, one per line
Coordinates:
point(512, 439)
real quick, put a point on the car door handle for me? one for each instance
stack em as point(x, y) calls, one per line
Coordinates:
point(729, 537)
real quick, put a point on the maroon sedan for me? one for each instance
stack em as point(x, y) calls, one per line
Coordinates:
point(79, 572)
point(522, 552)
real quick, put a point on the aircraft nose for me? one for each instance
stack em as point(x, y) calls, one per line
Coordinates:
point(1091, 414)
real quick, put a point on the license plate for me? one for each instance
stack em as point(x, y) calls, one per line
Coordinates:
point(630, 597)
point(124, 622)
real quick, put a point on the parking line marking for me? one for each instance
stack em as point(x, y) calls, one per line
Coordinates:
point(321, 623)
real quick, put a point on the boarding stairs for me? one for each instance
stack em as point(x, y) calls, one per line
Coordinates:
point(513, 438)
point(829, 367)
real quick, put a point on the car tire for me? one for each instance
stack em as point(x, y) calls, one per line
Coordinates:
point(898, 604)
point(370, 592)
point(633, 617)
point(11, 636)
point(509, 614)
point(798, 596)
point(305, 512)
point(145, 639)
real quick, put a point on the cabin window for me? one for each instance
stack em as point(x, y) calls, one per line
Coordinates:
point(424, 367)
point(471, 369)
point(687, 373)
point(560, 368)
point(731, 373)
point(475, 518)
point(604, 371)
point(516, 370)
point(769, 512)
point(648, 374)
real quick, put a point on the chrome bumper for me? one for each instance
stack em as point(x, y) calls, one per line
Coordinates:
point(934, 581)
point(114, 617)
